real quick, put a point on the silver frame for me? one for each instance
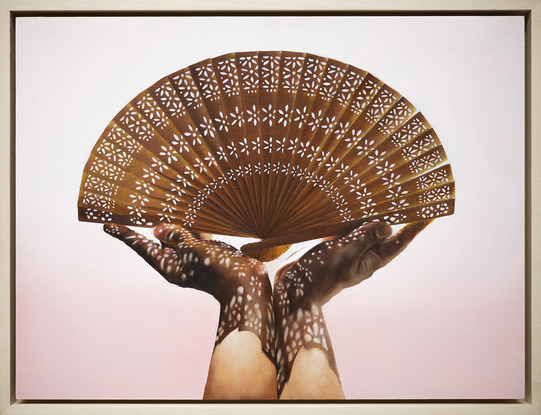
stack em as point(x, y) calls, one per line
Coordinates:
point(530, 9)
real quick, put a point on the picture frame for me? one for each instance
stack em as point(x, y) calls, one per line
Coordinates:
point(9, 10)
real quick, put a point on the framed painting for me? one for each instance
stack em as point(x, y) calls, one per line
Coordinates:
point(449, 326)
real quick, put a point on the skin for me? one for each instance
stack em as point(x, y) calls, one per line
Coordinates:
point(240, 370)
point(305, 358)
point(242, 365)
point(270, 345)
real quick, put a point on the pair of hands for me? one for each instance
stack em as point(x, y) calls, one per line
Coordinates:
point(219, 269)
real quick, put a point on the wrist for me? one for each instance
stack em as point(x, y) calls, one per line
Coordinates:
point(299, 324)
point(248, 305)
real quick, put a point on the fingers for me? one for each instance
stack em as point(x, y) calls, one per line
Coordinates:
point(345, 251)
point(116, 230)
point(392, 246)
point(374, 247)
point(335, 264)
point(356, 256)
point(369, 233)
point(159, 257)
point(175, 235)
point(383, 252)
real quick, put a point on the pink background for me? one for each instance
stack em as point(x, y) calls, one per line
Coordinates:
point(444, 320)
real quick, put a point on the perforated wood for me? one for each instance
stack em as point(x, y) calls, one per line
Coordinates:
point(280, 146)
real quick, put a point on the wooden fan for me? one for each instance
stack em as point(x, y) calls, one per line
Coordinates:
point(281, 146)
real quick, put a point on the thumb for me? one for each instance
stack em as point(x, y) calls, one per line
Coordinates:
point(362, 239)
point(370, 233)
point(175, 235)
point(389, 248)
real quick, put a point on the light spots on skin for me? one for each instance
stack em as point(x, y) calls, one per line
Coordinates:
point(299, 318)
point(245, 293)
point(302, 328)
point(239, 283)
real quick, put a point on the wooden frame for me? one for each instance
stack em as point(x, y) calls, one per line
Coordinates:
point(531, 9)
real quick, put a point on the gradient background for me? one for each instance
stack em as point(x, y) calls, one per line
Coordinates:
point(444, 320)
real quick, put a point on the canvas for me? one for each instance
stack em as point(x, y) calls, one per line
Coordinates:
point(443, 321)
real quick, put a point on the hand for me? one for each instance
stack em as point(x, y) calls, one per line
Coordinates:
point(301, 289)
point(239, 283)
point(345, 261)
point(182, 259)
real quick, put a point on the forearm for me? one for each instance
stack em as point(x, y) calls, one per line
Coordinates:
point(305, 359)
point(243, 361)
point(240, 370)
point(249, 307)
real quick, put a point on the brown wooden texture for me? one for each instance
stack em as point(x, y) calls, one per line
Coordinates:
point(281, 146)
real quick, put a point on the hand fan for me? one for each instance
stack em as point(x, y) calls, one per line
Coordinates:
point(280, 146)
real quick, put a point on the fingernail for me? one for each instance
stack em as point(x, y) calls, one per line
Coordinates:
point(383, 231)
point(160, 232)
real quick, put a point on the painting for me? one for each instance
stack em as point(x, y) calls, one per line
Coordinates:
point(443, 320)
